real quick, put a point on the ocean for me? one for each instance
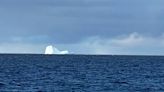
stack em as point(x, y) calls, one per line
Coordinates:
point(81, 73)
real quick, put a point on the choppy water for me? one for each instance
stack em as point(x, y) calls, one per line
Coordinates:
point(70, 73)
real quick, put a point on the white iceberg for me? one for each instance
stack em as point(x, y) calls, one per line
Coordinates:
point(52, 50)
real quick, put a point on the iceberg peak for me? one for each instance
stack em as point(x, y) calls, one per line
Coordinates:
point(52, 50)
point(49, 50)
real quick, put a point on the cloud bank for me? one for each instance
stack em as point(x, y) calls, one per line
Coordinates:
point(131, 44)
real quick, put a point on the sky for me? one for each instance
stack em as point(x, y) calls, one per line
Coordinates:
point(126, 27)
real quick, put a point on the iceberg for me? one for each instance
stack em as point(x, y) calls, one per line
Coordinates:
point(52, 50)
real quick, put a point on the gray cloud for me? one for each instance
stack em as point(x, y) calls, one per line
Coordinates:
point(132, 44)
point(128, 44)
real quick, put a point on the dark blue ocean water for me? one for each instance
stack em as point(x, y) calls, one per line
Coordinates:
point(79, 73)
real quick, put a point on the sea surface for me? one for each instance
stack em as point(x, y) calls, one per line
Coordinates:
point(81, 73)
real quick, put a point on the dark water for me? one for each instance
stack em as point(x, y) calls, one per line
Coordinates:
point(70, 73)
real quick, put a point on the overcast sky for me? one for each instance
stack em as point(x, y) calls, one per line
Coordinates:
point(82, 26)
